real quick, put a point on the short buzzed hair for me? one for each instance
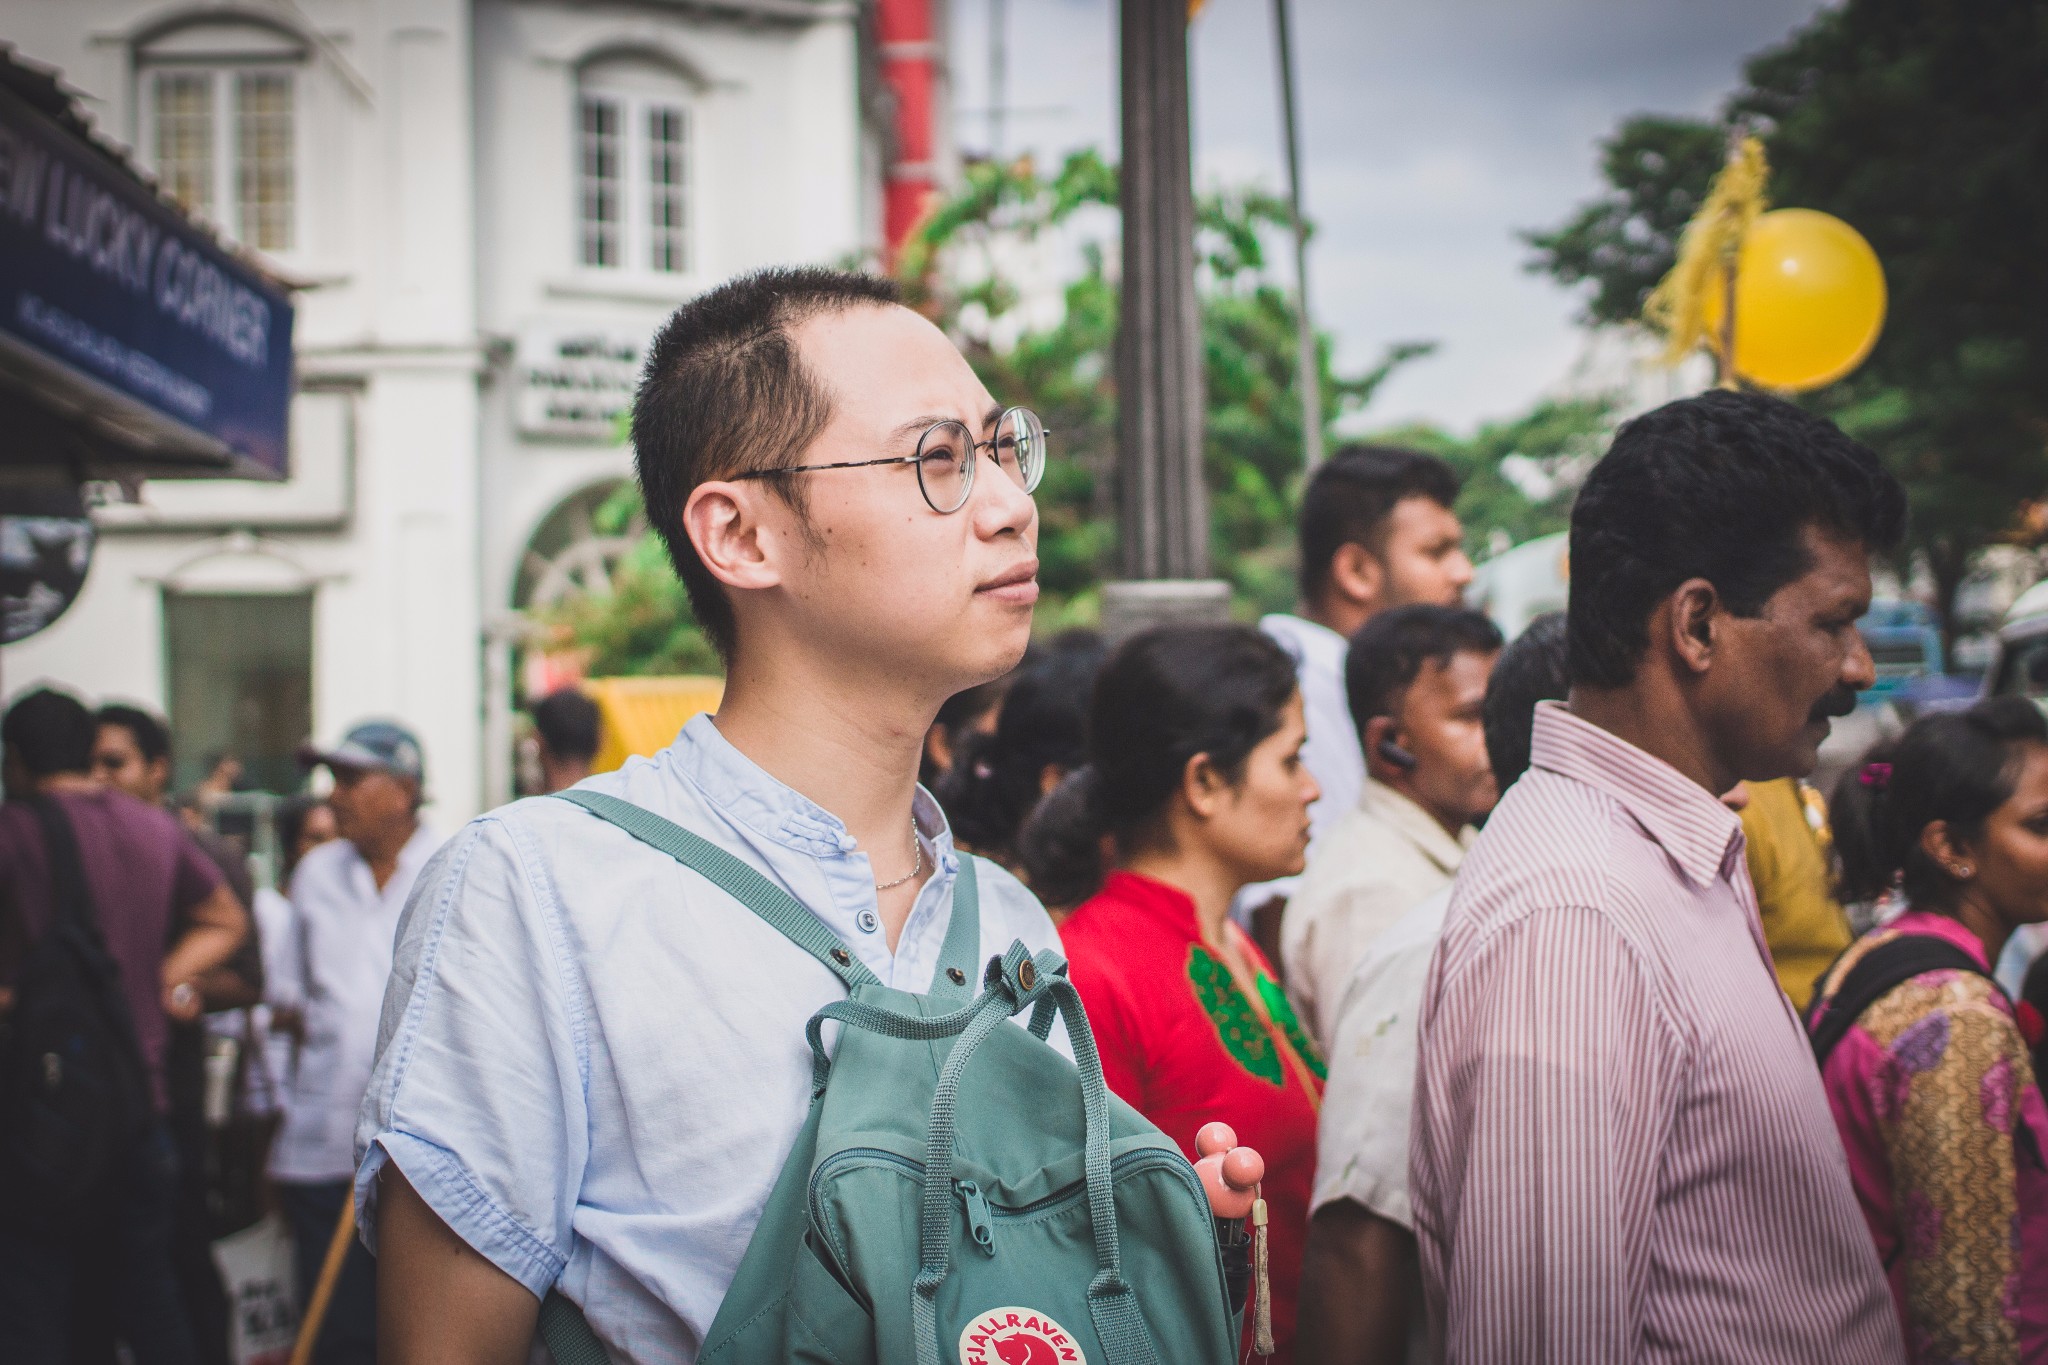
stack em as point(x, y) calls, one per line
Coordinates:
point(1350, 496)
point(724, 392)
point(50, 732)
point(1389, 651)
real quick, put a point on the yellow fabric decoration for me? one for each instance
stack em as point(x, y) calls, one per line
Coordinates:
point(1677, 307)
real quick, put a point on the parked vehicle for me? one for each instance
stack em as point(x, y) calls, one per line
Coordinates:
point(1905, 644)
point(2019, 664)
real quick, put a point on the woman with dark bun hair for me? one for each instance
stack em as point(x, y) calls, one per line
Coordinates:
point(1194, 787)
point(999, 776)
point(1925, 1061)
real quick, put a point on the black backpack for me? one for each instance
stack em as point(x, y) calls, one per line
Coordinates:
point(74, 1094)
point(1889, 965)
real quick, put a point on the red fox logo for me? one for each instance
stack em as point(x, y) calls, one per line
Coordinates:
point(1023, 1350)
point(1018, 1336)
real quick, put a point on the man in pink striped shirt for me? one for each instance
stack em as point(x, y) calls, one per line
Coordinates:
point(1621, 1150)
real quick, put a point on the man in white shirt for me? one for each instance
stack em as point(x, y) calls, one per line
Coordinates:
point(593, 1062)
point(346, 897)
point(1376, 531)
point(1416, 678)
point(1361, 1277)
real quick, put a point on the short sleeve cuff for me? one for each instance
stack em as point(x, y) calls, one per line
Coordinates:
point(1384, 1195)
point(455, 1196)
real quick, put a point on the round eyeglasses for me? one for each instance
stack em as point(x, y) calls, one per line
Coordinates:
point(946, 458)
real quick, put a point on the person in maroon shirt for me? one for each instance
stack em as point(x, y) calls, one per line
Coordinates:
point(1195, 785)
point(145, 877)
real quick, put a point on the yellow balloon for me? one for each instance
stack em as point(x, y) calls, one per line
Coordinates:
point(1809, 300)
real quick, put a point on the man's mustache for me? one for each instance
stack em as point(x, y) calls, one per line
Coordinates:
point(1838, 702)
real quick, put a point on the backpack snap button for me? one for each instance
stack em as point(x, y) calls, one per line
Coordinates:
point(842, 957)
point(1027, 974)
point(956, 976)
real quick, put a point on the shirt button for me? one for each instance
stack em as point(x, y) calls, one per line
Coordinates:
point(867, 921)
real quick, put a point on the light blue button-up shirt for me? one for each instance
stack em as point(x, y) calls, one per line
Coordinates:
point(591, 1062)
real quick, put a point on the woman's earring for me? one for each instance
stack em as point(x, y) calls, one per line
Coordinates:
point(1965, 872)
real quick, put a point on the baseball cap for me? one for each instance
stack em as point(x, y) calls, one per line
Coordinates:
point(378, 744)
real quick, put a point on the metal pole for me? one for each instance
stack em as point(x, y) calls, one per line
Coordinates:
point(1310, 369)
point(1163, 510)
point(998, 76)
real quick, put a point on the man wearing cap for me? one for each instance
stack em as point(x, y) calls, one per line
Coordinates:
point(347, 894)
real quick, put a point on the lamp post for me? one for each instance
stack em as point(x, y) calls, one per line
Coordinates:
point(1162, 503)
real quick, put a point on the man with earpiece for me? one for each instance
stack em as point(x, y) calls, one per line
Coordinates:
point(1416, 681)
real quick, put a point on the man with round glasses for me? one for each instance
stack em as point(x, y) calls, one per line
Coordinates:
point(592, 1064)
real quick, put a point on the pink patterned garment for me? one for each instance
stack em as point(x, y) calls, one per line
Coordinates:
point(1621, 1150)
point(1926, 1089)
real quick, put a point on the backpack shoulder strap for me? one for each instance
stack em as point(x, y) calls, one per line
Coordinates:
point(783, 912)
point(71, 895)
point(955, 977)
point(1875, 975)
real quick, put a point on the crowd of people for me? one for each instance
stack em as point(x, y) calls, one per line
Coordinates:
point(252, 1057)
point(1523, 964)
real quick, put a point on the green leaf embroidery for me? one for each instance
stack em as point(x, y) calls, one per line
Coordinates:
point(1237, 1024)
point(1282, 1011)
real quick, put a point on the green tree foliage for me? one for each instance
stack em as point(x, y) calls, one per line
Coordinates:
point(1924, 126)
point(1623, 243)
point(1546, 452)
point(962, 267)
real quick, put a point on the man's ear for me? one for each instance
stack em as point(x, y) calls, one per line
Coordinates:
point(1691, 624)
point(1357, 573)
point(723, 520)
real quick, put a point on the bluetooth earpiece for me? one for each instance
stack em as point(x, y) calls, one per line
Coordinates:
point(1396, 755)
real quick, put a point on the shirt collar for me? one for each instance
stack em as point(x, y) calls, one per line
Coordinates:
point(1399, 812)
point(1306, 640)
point(1687, 821)
point(745, 792)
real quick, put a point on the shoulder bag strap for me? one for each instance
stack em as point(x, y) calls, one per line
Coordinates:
point(1876, 974)
point(783, 912)
point(71, 895)
point(954, 978)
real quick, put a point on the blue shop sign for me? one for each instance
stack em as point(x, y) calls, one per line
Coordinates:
point(119, 299)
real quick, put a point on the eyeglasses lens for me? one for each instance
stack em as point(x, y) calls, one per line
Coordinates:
point(945, 470)
point(1020, 447)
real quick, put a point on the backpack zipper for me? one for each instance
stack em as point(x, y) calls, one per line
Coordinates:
point(978, 1225)
point(1126, 1164)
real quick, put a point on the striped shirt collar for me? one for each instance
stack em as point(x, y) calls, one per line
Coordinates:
point(1684, 819)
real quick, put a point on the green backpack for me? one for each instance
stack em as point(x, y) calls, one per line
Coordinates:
point(959, 1191)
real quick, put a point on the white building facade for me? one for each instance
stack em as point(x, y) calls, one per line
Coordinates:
point(491, 205)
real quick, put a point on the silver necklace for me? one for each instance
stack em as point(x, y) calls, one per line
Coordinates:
point(916, 866)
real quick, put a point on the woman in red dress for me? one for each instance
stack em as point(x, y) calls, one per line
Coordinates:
point(1194, 788)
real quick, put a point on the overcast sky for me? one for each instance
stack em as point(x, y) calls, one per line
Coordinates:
point(1432, 130)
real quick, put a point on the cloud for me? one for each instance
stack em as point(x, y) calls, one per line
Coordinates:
point(1432, 133)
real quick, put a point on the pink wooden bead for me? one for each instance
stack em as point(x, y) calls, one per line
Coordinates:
point(1243, 1168)
point(1224, 1201)
point(1215, 1138)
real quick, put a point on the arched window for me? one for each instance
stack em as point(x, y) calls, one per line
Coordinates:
point(635, 166)
point(219, 123)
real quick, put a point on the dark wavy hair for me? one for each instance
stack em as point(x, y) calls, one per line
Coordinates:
point(1163, 697)
point(997, 778)
point(1955, 766)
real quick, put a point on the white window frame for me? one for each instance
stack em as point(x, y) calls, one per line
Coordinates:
point(635, 230)
point(225, 210)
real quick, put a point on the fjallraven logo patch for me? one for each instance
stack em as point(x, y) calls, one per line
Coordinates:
point(1018, 1336)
